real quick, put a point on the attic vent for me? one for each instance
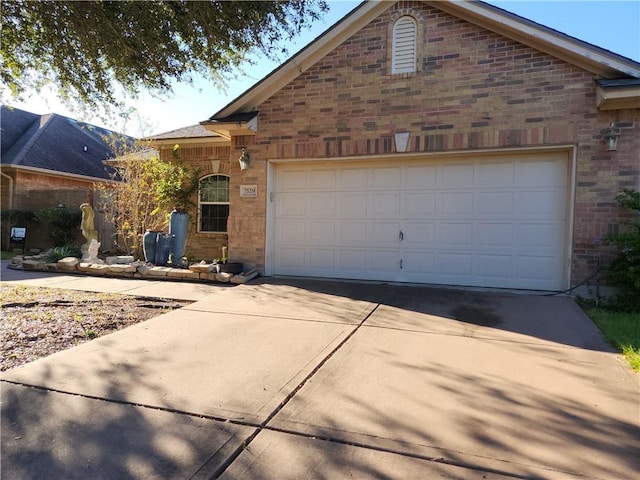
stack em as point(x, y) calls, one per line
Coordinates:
point(404, 45)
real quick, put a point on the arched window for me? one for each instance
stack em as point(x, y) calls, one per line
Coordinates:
point(213, 203)
point(403, 56)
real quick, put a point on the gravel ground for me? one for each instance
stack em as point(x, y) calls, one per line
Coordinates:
point(36, 322)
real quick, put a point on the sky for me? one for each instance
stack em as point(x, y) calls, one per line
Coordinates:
point(613, 25)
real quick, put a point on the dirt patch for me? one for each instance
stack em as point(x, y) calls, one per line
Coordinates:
point(36, 322)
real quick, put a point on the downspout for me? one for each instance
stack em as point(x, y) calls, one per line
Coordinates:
point(10, 189)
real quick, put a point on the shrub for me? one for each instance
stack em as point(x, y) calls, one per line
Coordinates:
point(58, 253)
point(62, 223)
point(625, 268)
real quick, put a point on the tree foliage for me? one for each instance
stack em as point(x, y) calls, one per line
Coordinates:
point(625, 268)
point(86, 49)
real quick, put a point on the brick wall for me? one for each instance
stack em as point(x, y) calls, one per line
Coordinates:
point(474, 90)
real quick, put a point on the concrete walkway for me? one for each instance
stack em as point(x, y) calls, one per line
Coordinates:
point(317, 379)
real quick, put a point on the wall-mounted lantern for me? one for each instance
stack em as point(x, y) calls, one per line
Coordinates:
point(244, 160)
point(610, 137)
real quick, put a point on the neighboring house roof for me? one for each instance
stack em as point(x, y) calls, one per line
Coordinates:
point(194, 133)
point(594, 59)
point(54, 143)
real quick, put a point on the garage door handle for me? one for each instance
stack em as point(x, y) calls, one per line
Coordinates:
point(401, 262)
point(401, 235)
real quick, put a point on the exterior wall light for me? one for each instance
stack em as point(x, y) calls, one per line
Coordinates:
point(611, 136)
point(244, 160)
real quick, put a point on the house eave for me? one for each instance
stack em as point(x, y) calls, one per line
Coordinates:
point(188, 140)
point(618, 98)
point(233, 128)
point(55, 173)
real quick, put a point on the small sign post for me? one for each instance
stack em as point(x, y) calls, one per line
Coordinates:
point(18, 236)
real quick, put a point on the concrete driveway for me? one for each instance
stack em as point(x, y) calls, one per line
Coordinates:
point(318, 379)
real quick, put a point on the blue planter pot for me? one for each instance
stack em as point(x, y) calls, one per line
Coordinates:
point(178, 224)
point(149, 240)
point(163, 249)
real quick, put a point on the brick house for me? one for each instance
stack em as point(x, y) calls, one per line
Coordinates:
point(434, 142)
point(49, 160)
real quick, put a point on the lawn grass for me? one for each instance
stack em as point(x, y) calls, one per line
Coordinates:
point(6, 255)
point(622, 329)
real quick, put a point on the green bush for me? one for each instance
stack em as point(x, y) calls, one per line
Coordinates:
point(625, 268)
point(58, 253)
point(62, 223)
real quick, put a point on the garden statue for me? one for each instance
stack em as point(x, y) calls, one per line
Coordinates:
point(90, 249)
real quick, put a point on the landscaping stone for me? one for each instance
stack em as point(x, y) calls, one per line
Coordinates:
point(223, 277)
point(183, 273)
point(211, 277)
point(33, 264)
point(244, 277)
point(68, 264)
point(118, 268)
point(51, 267)
point(143, 269)
point(98, 269)
point(119, 260)
point(158, 271)
point(201, 267)
point(17, 260)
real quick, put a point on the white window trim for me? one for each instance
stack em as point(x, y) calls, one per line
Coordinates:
point(200, 203)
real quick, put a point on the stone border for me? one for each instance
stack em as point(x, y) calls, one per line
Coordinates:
point(126, 267)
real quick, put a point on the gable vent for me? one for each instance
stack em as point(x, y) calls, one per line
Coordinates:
point(404, 46)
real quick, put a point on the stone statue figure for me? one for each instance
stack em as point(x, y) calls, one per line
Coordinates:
point(90, 249)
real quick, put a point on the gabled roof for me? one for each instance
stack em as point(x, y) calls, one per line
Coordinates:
point(192, 131)
point(594, 59)
point(54, 143)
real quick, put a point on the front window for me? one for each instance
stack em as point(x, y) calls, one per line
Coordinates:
point(213, 203)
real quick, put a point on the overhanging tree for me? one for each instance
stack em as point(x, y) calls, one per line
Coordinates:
point(88, 49)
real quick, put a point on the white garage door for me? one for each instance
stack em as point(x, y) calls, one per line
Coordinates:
point(495, 222)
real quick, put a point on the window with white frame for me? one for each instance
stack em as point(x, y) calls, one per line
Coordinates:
point(404, 45)
point(213, 203)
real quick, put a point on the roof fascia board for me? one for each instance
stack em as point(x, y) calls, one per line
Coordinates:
point(554, 43)
point(188, 141)
point(617, 98)
point(307, 57)
point(56, 173)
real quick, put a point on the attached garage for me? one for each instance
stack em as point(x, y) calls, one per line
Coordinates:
point(492, 220)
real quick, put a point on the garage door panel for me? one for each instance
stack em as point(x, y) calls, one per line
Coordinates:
point(292, 204)
point(455, 204)
point(321, 205)
point(498, 222)
point(539, 236)
point(494, 268)
point(293, 179)
point(353, 178)
point(495, 204)
point(457, 265)
point(547, 173)
point(352, 261)
point(419, 235)
point(455, 234)
point(452, 175)
point(495, 235)
point(352, 205)
point(419, 204)
point(291, 233)
point(322, 233)
point(352, 233)
point(321, 259)
point(384, 205)
point(386, 177)
point(384, 234)
point(325, 179)
point(420, 176)
point(494, 174)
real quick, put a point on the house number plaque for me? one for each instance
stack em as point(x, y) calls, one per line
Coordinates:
point(248, 191)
